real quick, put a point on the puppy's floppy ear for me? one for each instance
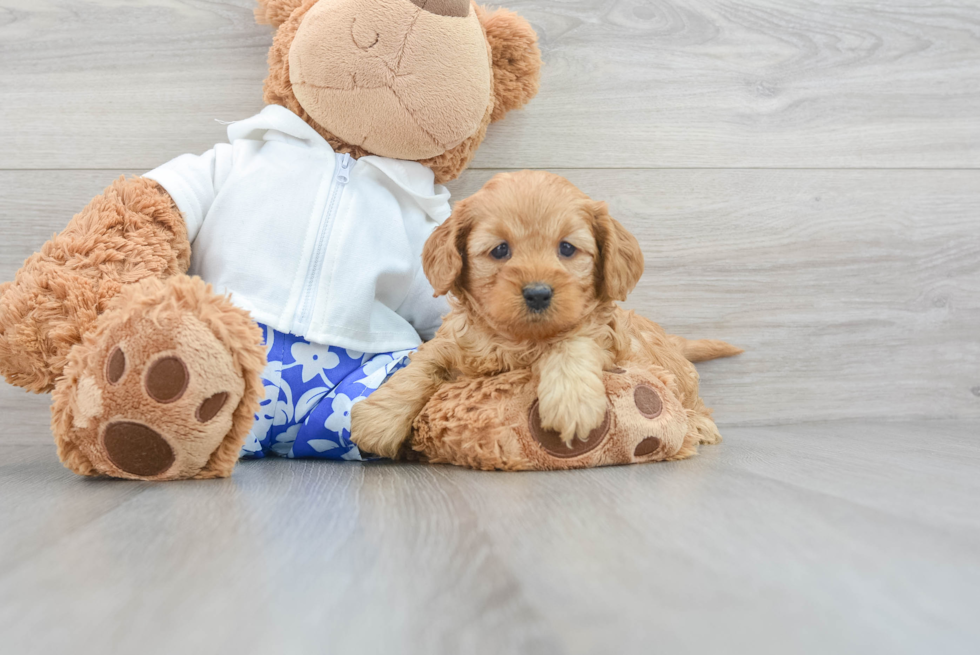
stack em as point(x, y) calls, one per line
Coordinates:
point(516, 59)
point(620, 264)
point(275, 12)
point(443, 255)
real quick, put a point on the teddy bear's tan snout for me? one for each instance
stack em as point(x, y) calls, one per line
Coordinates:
point(408, 79)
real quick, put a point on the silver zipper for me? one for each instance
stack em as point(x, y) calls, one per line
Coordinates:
point(341, 176)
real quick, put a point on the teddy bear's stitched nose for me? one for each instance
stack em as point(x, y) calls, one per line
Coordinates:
point(457, 8)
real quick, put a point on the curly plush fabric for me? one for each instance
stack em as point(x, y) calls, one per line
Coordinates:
point(131, 232)
point(491, 423)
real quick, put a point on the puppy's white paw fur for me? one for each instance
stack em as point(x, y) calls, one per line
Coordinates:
point(574, 413)
point(571, 395)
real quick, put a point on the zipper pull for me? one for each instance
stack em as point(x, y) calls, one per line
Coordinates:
point(344, 163)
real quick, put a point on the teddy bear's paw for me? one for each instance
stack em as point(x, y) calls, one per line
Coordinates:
point(644, 422)
point(150, 397)
point(650, 421)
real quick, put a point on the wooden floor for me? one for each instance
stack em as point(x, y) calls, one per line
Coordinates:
point(824, 538)
point(804, 178)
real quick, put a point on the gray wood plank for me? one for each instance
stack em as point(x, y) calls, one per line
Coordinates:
point(854, 292)
point(285, 557)
point(712, 555)
point(630, 83)
point(803, 539)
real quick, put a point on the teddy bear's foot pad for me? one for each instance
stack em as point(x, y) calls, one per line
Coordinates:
point(150, 396)
point(137, 449)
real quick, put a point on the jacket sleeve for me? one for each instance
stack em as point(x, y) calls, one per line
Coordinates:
point(422, 309)
point(193, 181)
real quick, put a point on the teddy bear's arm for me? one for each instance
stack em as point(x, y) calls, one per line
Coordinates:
point(130, 232)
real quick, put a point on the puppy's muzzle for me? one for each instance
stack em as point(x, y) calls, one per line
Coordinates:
point(537, 297)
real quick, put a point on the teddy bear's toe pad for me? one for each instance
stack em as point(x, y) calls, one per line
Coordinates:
point(167, 379)
point(116, 366)
point(646, 447)
point(647, 401)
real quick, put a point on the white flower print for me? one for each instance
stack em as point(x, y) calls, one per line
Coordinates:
point(379, 368)
point(375, 371)
point(284, 441)
point(308, 402)
point(322, 445)
point(339, 419)
point(314, 359)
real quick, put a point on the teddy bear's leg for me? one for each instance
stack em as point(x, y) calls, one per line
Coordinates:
point(130, 232)
point(164, 387)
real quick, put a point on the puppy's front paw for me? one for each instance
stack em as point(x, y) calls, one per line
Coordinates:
point(375, 429)
point(573, 413)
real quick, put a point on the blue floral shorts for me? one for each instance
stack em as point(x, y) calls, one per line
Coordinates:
point(309, 391)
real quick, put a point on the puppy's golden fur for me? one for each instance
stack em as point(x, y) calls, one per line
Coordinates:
point(491, 328)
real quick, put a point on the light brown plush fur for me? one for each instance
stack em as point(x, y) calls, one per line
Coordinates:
point(492, 330)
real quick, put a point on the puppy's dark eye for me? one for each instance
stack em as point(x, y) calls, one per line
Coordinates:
point(565, 249)
point(501, 252)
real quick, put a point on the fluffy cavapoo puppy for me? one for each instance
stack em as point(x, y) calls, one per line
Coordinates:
point(534, 268)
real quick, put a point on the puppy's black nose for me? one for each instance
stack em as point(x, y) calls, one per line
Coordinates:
point(537, 297)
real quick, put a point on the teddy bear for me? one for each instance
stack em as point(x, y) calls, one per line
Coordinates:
point(239, 302)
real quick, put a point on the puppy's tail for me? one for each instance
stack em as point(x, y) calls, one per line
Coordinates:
point(701, 350)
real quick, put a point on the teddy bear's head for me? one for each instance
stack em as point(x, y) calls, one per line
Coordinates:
point(408, 79)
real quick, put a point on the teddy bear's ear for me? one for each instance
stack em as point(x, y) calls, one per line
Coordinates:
point(275, 12)
point(516, 59)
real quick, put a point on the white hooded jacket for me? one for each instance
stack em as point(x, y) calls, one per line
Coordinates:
point(311, 242)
